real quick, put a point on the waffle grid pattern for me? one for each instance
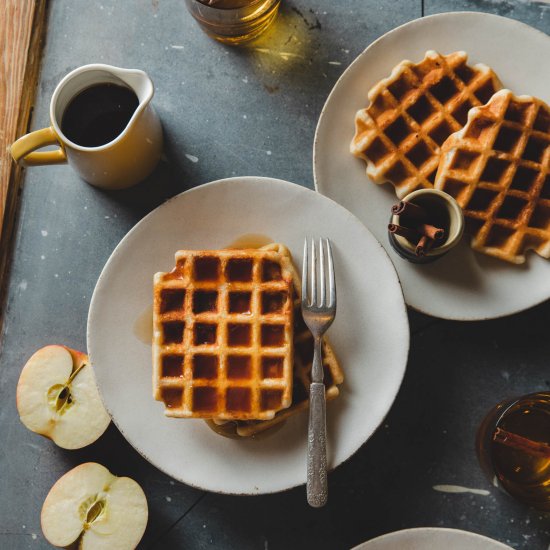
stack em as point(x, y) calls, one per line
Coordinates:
point(412, 113)
point(223, 335)
point(498, 170)
point(303, 360)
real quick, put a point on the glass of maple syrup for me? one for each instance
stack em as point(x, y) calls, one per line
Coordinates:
point(513, 448)
point(233, 21)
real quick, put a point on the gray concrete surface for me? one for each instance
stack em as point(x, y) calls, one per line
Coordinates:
point(250, 112)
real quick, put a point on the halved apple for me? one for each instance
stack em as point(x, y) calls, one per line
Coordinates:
point(57, 397)
point(91, 506)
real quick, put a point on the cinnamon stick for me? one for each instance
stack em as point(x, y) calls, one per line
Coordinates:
point(534, 448)
point(409, 209)
point(431, 231)
point(406, 232)
point(424, 245)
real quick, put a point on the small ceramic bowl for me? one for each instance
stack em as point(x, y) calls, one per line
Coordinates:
point(443, 206)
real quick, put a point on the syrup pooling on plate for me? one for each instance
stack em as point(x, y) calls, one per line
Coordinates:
point(229, 429)
point(249, 240)
point(143, 326)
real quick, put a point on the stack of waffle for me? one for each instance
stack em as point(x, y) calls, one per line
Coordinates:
point(229, 343)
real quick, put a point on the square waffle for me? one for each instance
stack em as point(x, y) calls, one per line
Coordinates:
point(303, 360)
point(498, 170)
point(411, 114)
point(223, 335)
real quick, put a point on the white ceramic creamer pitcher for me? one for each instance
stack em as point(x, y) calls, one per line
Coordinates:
point(120, 163)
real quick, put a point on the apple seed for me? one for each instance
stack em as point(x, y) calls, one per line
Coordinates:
point(59, 395)
point(93, 507)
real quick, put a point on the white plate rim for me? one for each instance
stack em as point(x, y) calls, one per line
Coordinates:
point(403, 319)
point(386, 36)
point(414, 531)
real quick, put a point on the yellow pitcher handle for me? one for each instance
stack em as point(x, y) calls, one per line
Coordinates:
point(22, 149)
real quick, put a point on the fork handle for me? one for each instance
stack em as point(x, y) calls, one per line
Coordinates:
point(317, 490)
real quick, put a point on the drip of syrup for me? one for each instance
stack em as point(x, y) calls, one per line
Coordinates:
point(249, 240)
point(143, 326)
point(229, 429)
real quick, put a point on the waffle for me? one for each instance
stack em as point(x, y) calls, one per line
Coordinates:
point(412, 112)
point(498, 170)
point(223, 335)
point(303, 360)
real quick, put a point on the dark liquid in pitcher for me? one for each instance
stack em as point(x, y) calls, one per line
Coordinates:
point(98, 114)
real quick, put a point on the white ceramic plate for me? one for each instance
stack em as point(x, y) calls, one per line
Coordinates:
point(370, 334)
point(463, 285)
point(432, 538)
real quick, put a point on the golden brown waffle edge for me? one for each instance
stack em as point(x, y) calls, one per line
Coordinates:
point(498, 169)
point(223, 335)
point(412, 112)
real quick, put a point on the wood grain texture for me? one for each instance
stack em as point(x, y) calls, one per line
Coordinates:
point(21, 33)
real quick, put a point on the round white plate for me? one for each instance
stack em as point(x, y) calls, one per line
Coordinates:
point(463, 285)
point(370, 335)
point(432, 538)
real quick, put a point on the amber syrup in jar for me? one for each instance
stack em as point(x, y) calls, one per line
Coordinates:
point(513, 446)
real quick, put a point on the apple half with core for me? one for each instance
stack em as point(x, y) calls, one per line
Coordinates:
point(95, 509)
point(57, 397)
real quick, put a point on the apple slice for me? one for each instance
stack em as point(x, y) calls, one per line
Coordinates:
point(92, 506)
point(57, 397)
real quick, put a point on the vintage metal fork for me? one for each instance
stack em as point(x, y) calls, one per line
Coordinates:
point(318, 310)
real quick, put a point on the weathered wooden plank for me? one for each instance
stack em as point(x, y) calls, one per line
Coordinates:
point(22, 24)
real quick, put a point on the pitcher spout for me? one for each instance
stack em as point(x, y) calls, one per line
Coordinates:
point(137, 80)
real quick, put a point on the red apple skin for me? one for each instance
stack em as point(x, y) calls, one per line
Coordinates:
point(79, 357)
